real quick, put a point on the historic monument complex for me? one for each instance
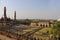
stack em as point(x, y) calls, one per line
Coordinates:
point(17, 30)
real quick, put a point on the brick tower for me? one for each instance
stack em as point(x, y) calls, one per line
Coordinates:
point(14, 15)
point(5, 17)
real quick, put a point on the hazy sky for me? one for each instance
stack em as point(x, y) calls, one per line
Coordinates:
point(31, 9)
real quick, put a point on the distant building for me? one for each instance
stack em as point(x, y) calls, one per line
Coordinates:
point(33, 24)
point(42, 23)
point(45, 23)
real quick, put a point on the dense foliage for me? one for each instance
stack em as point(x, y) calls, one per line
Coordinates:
point(25, 21)
point(58, 24)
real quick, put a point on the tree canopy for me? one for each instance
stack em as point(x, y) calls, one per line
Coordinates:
point(57, 24)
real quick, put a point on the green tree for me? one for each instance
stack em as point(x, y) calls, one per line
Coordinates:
point(53, 31)
point(26, 21)
point(57, 25)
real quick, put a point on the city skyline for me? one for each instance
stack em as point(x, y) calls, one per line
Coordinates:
point(31, 9)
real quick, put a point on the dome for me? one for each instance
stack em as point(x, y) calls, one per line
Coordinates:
point(58, 20)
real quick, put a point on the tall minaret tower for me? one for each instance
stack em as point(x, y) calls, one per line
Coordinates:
point(14, 15)
point(5, 17)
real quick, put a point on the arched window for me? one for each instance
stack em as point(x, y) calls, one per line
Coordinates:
point(46, 25)
point(41, 25)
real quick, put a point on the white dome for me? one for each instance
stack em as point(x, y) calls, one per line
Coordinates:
point(58, 20)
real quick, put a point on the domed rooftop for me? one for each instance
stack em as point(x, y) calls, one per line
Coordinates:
point(58, 19)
